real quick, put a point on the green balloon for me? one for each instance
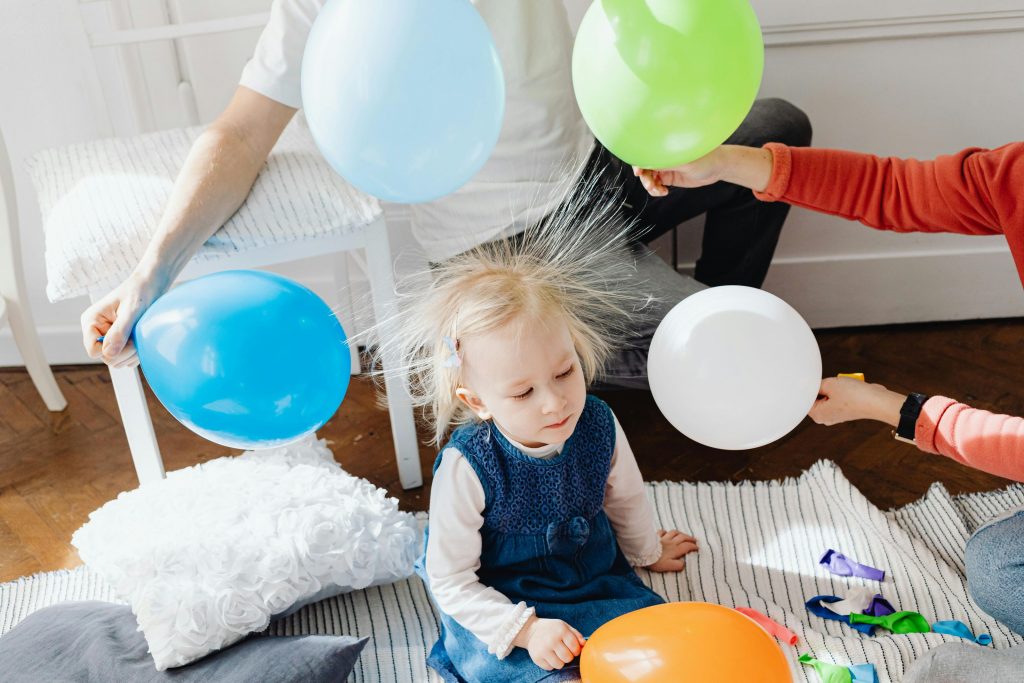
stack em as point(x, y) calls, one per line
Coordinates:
point(663, 82)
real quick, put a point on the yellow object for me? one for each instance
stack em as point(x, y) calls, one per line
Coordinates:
point(852, 375)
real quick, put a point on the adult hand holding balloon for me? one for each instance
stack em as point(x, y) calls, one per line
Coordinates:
point(246, 359)
point(663, 82)
point(404, 98)
point(734, 367)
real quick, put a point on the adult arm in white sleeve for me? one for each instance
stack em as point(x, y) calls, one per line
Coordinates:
point(453, 558)
point(628, 508)
point(275, 68)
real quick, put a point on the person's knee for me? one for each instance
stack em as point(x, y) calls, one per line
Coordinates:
point(995, 571)
point(790, 125)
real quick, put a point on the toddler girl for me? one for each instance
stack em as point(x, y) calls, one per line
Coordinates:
point(537, 510)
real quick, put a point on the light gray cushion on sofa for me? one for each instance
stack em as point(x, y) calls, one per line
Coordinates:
point(100, 641)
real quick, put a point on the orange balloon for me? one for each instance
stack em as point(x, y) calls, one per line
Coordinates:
point(683, 641)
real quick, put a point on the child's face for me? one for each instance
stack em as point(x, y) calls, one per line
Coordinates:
point(527, 377)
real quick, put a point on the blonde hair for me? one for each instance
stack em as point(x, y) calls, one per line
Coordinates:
point(576, 265)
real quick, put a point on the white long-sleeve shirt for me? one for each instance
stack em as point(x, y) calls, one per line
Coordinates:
point(454, 543)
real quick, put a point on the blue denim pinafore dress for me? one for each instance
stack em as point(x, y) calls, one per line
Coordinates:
point(546, 541)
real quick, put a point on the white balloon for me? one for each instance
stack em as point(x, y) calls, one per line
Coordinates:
point(734, 367)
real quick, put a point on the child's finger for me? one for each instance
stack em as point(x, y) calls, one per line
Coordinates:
point(573, 643)
point(563, 653)
point(686, 548)
point(675, 550)
point(544, 663)
point(674, 565)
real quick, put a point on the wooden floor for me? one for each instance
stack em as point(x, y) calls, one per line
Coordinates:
point(56, 468)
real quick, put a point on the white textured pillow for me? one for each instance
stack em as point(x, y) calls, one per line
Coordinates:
point(210, 553)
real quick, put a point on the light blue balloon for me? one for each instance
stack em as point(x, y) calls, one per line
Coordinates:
point(404, 98)
point(246, 359)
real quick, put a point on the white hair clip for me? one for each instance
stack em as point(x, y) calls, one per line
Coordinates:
point(454, 360)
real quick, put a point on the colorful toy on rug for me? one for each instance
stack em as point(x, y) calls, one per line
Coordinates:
point(695, 641)
point(897, 622)
point(840, 564)
point(729, 351)
point(863, 610)
point(773, 627)
point(246, 359)
point(836, 673)
point(952, 627)
point(825, 606)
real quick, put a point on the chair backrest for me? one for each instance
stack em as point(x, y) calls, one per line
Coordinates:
point(169, 63)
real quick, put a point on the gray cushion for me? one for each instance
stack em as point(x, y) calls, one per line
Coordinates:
point(960, 662)
point(100, 641)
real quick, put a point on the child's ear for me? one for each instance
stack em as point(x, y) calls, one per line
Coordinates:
point(473, 402)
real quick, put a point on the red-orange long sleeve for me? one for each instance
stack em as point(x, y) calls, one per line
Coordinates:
point(977, 438)
point(975, 191)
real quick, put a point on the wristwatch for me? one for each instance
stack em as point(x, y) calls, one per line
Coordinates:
point(909, 413)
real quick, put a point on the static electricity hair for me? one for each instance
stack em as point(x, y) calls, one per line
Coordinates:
point(575, 266)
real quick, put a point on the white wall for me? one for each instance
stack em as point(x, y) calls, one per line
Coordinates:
point(49, 96)
point(919, 77)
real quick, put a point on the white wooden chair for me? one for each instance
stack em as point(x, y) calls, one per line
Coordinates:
point(100, 201)
point(14, 308)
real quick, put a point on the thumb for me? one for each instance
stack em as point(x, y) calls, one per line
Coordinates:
point(117, 336)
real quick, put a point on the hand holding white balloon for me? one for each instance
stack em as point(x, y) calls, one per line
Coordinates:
point(734, 367)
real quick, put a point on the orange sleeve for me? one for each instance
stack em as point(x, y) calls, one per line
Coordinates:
point(974, 191)
point(976, 438)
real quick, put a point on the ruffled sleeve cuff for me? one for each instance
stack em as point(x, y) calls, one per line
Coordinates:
point(782, 167)
point(649, 556)
point(518, 617)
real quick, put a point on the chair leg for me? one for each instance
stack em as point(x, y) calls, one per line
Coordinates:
point(403, 423)
point(345, 310)
point(27, 340)
point(138, 426)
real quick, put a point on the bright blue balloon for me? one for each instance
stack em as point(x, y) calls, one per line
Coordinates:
point(404, 98)
point(246, 359)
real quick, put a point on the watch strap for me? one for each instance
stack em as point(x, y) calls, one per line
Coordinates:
point(911, 410)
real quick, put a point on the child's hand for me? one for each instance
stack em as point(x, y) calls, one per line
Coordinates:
point(552, 643)
point(674, 545)
point(842, 399)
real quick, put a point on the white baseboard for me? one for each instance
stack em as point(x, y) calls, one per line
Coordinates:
point(62, 345)
point(828, 291)
point(909, 287)
point(899, 288)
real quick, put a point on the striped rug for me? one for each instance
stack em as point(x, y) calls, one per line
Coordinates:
point(760, 543)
